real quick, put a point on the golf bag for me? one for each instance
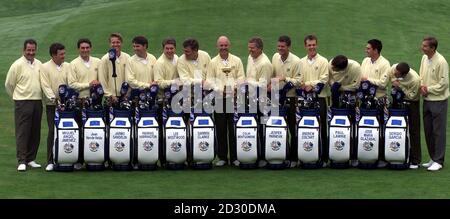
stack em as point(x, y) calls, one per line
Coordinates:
point(147, 139)
point(275, 129)
point(308, 130)
point(203, 132)
point(175, 134)
point(341, 127)
point(67, 131)
point(246, 127)
point(95, 148)
point(367, 126)
point(397, 143)
point(120, 131)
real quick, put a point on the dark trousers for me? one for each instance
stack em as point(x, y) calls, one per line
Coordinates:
point(435, 126)
point(27, 117)
point(50, 112)
point(225, 136)
point(415, 156)
point(292, 124)
point(324, 128)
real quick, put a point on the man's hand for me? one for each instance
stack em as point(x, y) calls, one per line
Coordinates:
point(307, 88)
point(424, 90)
point(396, 83)
point(94, 83)
point(364, 78)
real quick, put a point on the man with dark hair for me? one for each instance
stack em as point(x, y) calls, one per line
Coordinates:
point(434, 89)
point(192, 65)
point(224, 71)
point(259, 72)
point(408, 81)
point(375, 68)
point(165, 69)
point(111, 86)
point(84, 69)
point(314, 70)
point(286, 69)
point(53, 74)
point(139, 71)
point(22, 85)
point(345, 73)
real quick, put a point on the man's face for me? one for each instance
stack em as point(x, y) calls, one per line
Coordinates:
point(190, 53)
point(59, 57)
point(397, 74)
point(30, 52)
point(84, 50)
point(169, 50)
point(311, 47)
point(139, 49)
point(426, 48)
point(223, 46)
point(115, 43)
point(253, 50)
point(370, 51)
point(282, 48)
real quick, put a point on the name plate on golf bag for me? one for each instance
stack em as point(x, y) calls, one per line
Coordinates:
point(68, 141)
point(176, 140)
point(147, 140)
point(120, 141)
point(340, 129)
point(94, 141)
point(396, 140)
point(246, 140)
point(276, 140)
point(203, 140)
point(368, 139)
point(308, 139)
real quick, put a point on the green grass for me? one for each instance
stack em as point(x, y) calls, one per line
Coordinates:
point(342, 27)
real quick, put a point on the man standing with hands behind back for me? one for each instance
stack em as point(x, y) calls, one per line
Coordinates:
point(22, 84)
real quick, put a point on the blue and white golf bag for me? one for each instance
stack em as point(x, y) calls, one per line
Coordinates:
point(147, 141)
point(246, 127)
point(67, 131)
point(175, 134)
point(308, 130)
point(202, 128)
point(341, 127)
point(95, 150)
point(275, 129)
point(397, 143)
point(367, 126)
point(120, 132)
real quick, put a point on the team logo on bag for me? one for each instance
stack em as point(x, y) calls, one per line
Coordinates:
point(246, 146)
point(68, 148)
point(308, 146)
point(203, 146)
point(276, 145)
point(119, 146)
point(367, 146)
point(176, 146)
point(148, 145)
point(394, 146)
point(339, 145)
point(93, 146)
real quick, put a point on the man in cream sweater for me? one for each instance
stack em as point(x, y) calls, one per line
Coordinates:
point(434, 89)
point(22, 85)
